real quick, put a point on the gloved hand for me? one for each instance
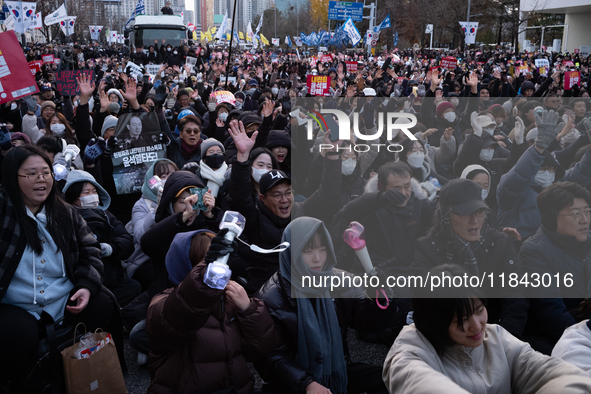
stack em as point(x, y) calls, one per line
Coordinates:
point(219, 247)
point(164, 139)
point(106, 250)
point(111, 145)
point(31, 103)
point(546, 129)
point(397, 91)
point(586, 123)
point(211, 105)
point(5, 141)
point(72, 150)
point(94, 149)
point(421, 90)
point(391, 197)
point(285, 106)
point(160, 97)
point(190, 166)
point(519, 131)
point(369, 114)
point(475, 125)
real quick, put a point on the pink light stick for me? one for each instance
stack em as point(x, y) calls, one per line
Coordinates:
point(354, 237)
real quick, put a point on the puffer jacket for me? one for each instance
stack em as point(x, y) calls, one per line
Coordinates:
point(497, 255)
point(82, 259)
point(517, 193)
point(502, 364)
point(201, 340)
point(353, 310)
point(549, 253)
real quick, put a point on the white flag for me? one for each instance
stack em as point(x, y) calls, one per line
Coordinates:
point(113, 37)
point(37, 22)
point(22, 13)
point(57, 16)
point(275, 41)
point(352, 31)
point(221, 33)
point(9, 22)
point(259, 25)
point(95, 32)
point(67, 25)
point(249, 33)
point(298, 41)
point(470, 29)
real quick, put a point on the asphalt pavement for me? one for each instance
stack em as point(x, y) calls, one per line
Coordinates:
point(137, 378)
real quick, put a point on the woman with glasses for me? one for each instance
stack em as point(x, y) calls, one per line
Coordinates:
point(50, 266)
point(461, 235)
point(560, 246)
point(186, 148)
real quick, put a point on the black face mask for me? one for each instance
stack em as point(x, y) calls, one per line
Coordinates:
point(151, 108)
point(214, 161)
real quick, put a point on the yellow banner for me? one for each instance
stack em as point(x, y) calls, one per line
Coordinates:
point(241, 35)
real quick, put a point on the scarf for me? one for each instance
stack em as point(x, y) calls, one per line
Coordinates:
point(215, 178)
point(189, 151)
point(458, 250)
point(320, 344)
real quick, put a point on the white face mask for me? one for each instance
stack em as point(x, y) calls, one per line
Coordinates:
point(175, 53)
point(484, 194)
point(487, 154)
point(223, 116)
point(274, 91)
point(449, 116)
point(90, 201)
point(257, 173)
point(13, 106)
point(58, 129)
point(545, 178)
point(348, 166)
point(489, 130)
point(455, 101)
point(415, 160)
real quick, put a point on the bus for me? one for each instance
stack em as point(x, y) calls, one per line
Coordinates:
point(157, 29)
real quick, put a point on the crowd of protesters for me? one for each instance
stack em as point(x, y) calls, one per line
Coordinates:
point(495, 176)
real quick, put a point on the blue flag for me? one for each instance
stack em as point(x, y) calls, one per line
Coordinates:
point(304, 38)
point(385, 23)
point(140, 8)
point(395, 38)
point(288, 40)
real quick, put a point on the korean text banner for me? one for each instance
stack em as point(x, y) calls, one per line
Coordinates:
point(138, 147)
point(66, 81)
point(14, 83)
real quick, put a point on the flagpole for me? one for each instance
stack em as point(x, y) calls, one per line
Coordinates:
point(231, 39)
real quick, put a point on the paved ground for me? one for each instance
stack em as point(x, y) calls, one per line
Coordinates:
point(137, 378)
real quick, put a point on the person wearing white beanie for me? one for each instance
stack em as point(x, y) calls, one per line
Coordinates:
point(108, 128)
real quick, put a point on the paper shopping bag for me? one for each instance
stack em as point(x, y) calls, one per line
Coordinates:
point(100, 373)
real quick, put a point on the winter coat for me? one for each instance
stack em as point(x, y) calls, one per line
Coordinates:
point(201, 340)
point(174, 150)
point(388, 230)
point(82, 258)
point(573, 346)
point(517, 193)
point(263, 228)
point(551, 310)
point(502, 364)
point(496, 255)
point(353, 310)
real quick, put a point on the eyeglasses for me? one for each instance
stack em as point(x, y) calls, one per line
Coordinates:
point(33, 177)
point(279, 196)
point(189, 131)
point(578, 215)
point(479, 214)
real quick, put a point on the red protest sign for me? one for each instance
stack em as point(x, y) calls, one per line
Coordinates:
point(400, 79)
point(572, 78)
point(47, 58)
point(13, 82)
point(66, 81)
point(249, 57)
point(449, 62)
point(351, 67)
point(197, 51)
point(326, 59)
point(569, 63)
point(431, 69)
point(577, 50)
point(35, 66)
point(318, 85)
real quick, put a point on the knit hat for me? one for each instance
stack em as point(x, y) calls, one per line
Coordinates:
point(240, 95)
point(444, 105)
point(115, 91)
point(278, 138)
point(250, 118)
point(208, 143)
point(369, 92)
point(20, 136)
point(110, 121)
point(527, 85)
point(46, 104)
